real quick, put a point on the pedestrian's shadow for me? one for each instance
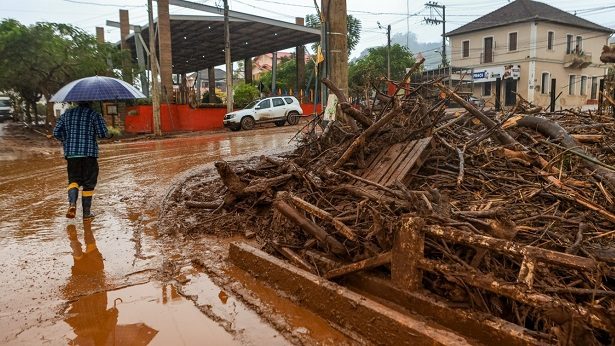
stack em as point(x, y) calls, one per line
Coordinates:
point(89, 317)
point(91, 320)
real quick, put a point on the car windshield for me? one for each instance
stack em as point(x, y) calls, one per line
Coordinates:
point(4, 103)
point(251, 104)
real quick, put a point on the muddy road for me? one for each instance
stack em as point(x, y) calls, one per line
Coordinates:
point(66, 281)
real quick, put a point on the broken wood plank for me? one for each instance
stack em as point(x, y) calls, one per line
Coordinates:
point(370, 131)
point(411, 163)
point(369, 263)
point(311, 228)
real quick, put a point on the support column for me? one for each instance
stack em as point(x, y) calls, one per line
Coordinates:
point(164, 46)
point(300, 56)
point(141, 61)
point(211, 75)
point(247, 65)
point(124, 32)
point(100, 34)
point(274, 70)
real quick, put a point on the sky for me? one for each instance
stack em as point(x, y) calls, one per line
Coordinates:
point(400, 14)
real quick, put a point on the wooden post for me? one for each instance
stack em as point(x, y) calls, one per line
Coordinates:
point(408, 247)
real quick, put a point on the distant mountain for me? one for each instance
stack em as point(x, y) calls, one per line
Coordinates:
point(427, 49)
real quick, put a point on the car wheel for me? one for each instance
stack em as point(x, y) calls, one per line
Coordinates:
point(280, 123)
point(247, 123)
point(293, 118)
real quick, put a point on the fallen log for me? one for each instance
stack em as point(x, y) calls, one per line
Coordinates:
point(294, 258)
point(322, 214)
point(262, 185)
point(369, 263)
point(554, 131)
point(501, 136)
point(230, 178)
point(311, 228)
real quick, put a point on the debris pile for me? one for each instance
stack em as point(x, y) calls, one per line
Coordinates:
point(509, 213)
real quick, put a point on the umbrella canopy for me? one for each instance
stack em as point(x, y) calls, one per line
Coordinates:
point(96, 88)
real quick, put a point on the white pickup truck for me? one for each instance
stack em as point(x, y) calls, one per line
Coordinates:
point(277, 109)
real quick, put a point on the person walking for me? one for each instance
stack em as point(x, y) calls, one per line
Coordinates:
point(78, 129)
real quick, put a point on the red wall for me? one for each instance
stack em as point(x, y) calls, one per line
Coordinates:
point(182, 118)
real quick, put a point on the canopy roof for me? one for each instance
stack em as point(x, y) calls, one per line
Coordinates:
point(197, 42)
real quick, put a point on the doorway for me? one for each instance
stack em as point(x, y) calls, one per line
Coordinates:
point(510, 88)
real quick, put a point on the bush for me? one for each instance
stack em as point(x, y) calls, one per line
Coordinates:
point(114, 131)
point(244, 94)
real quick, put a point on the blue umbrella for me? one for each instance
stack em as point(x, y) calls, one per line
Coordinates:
point(96, 88)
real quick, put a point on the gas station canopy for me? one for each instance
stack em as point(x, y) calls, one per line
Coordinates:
point(197, 42)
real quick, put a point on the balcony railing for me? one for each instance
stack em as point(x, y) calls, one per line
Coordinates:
point(577, 60)
point(486, 57)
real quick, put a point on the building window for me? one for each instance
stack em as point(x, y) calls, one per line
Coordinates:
point(487, 50)
point(550, 38)
point(544, 82)
point(487, 89)
point(579, 45)
point(571, 83)
point(569, 44)
point(512, 41)
point(465, 49)
point(583, 85)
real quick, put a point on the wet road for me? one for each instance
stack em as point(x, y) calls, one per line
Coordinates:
point(69, 281)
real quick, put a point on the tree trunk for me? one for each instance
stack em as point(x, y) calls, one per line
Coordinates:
point(553, 130)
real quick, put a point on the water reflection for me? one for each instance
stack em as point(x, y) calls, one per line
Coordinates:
point(93, 322)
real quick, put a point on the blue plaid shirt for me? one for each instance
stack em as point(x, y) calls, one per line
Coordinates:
point(77, 129)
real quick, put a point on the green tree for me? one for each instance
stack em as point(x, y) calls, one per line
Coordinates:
point(353, 27)
point(39, 59)
point(374, 65)
point(286, 74)
point(244, 94)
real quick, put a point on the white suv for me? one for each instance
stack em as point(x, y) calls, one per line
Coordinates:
point(277, 109)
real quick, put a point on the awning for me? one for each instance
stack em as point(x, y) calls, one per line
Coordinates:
point(197, 42)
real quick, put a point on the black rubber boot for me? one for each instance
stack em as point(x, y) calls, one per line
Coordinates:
point(73, 193)
point(86, 203)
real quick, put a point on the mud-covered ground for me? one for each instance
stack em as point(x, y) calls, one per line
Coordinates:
point(120, 278)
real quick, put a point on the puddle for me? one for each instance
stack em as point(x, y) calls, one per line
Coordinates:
point(148, 314)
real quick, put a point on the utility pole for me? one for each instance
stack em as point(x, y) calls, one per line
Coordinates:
point(227, 59)
point(389, 52)
point(154, 68)
point(434, 6)
point(274, 70)
point(335, 16)
point(388, 49)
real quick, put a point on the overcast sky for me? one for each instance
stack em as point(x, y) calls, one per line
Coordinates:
point(88, 14)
